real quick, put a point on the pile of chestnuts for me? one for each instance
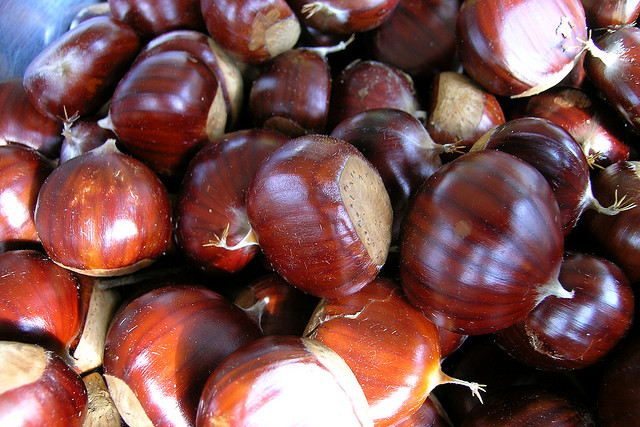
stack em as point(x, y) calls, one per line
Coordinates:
point(324, 213)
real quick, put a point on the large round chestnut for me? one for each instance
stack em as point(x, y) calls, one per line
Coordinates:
point(22, 172)
point(77, 73)
point(521, 48)
point(211, 226)
point(283, 380)
point(37, 388)
point(163, 346)
point(321, 215)
point(611, 13)
point(103, 213)
point(481, 243)
point(559, 333)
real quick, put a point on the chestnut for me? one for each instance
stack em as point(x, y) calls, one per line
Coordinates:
point(38, 388)
point(518, 49)
point(103, 213)
point(321, 215)
point(101, 410)
point(481, 243)
point(284, 380)
point(77, 73)
point(611, 13)
point(162, 347)
point(82, 135)
point(252, 31)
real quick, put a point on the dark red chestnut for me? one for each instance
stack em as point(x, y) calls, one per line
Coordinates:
point(150, 18)
point(22, 123)
point(22, 172)
point(518, 49)
point(611, 13)
point(77, 73)
point(211, 226)
point(103, 213)
point(165, 109)
point(321, 215)
point(81, 136)
point(481, 243)
point(253, 31)
point(559, 333)
point(90, 11)
point(392, 349)
point(163, 346)
point(38, 388)
point(283, 380)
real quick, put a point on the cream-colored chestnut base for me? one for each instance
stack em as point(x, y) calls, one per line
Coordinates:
point(368, 206)
point(127, 403)
point(20, 364)
point(460, 105)
point(101, 410)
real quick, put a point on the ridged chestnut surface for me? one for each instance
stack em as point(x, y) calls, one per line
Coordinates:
point(77, 73)
point(37, 388)
point(211, 226)
point(150, 18)
point(253, 31)
point(481, 244)
point(321, 215)
point(163, 346)
point(612, 64)
point(103, 213)
point(40, 302)
point(392, 349)
point(22, 172)
point(283, 380)
point(166, 108)
point(22, 123)
point(520, 48)
point(574, 333)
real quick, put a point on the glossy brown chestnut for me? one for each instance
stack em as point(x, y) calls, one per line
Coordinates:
point(163, 346)
point(400, 148)
point(616, 237)
point(418, 37)
point(206, 50)
point(481, 244)
point(38, 388)
point(557, 156)
point(518, 49)
point(560, 333)
point(594, 125)
point(150, 18)
point(81, 136)
point(22, 123)
point(283, 380)
point(611, 13)
point(22, 172)
point(612, 64)
point(166, 108)
point(77, 73)
point(343, 16)
point(90, 11)
point(103, 213)
point(521, 405)
point(291, 94)
point(460, 111)
point(278, 307)
point(392, 349)
point(211, 226)
point(321, 215)
point(253, 31)
point(364, 84)
point(429, 414)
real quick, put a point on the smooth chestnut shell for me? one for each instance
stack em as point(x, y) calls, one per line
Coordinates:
point(162, 347)
point(481, 243)
point(283, 380)
point(560, 333)
point(211, 226)
point(520, 48)
point(611, 13)
point(322, 215)
point(103, 213)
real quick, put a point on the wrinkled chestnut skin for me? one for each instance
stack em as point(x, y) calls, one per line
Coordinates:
point(77, 73)
point(482, 229)
point(22, 173)
point(22, 123)
point(38, 389)
point(163, 346)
